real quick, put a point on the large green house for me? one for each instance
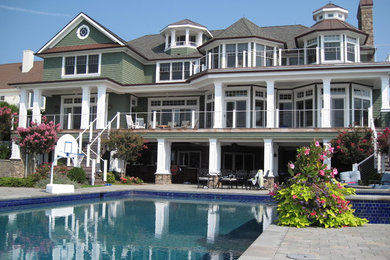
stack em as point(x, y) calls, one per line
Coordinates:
point(238, 99)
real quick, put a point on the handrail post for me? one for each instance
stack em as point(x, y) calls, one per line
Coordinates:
point(93, 172)
point(69, 121)
point(193, 119)
point(277, 115)
point(90, 132)
point(104, 170)
point(234, 119)
point(88, 155)
point(154, 119)
point(80, 142)
point(118, 120)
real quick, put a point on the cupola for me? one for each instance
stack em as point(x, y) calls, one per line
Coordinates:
point(330, 11)
point(185, 34)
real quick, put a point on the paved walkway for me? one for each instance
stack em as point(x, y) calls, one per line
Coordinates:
point(367, 242)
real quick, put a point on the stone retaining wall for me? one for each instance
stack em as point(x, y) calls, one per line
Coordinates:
point(11, 168)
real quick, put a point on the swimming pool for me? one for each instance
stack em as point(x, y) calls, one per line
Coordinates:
point(135, 227)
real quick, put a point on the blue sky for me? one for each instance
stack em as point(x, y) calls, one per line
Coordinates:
point(26, 24)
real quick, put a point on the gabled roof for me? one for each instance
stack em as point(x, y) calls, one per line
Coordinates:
point(11, 73)
point(72, 24)
point(81, 47)
point(332, 25)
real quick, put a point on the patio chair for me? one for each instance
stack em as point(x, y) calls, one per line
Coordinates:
point(350, 177)
point(185, 124)
point(255, 181)
point(241, 176)
point(227, 177)
point(129, 121)
point(204, 178)
point(385, 182)
point(139, 123)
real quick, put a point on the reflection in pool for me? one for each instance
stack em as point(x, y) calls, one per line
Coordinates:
point(134, 228)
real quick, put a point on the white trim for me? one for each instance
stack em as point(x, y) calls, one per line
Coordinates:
point(369, 98)
point(75, 75)
point(246, 98)
point(81, 37)
point(68, 28)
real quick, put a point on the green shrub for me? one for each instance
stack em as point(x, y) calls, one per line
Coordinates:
point(110, 177)
point(43, 171)
point(5, 152)
point(77, 174)
point(16, 182)
point(57, 179)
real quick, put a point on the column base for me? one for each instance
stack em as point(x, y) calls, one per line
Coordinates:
point(162, 178)
point(269, 184)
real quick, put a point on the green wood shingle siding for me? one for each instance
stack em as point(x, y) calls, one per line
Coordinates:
point(181, 51)
point(382, 119)
point(132, 70)
point(52, 69)
point(150, 73)
point(94, 37)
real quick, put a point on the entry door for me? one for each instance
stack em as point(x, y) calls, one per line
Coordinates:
point(338, 113)
point(240, 107)
point(75, 119)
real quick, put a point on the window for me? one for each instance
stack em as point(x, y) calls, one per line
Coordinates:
point(304, 105)
point(311, 50)
point(351, 43)
point(361, 103)
point(82, 32)
point(79, 65)
point(180, 40)
point(72, 105)
point(189, 159)
point(174, 71)
point(332, 47)
point(2, 98)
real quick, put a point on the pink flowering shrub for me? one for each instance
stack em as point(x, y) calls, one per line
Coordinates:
point(353, 146)
point(313, 197)
point(131, 180)
point(38, 139)
point(6, 115)
point(383, 138)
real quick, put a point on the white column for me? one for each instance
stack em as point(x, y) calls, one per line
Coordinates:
point(268, 157)
point(86, 96)
point(270, 104)
point(327, 160)
point(249, 55)
point(101, 107)
point(199, 39)
point(187, 37)
point(325, 118)
point(166, 41)
point(36, 111)
point(385, 92)
point(223, 59)
point(218, 104)
point(161, 225)
point(23, 108)
point(173, 38)
point(214, 156)
point(163, 156)
point(275, 56)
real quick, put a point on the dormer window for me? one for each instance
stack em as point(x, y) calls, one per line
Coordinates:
point(330, 15)
point(173, 71)
point(332, 47)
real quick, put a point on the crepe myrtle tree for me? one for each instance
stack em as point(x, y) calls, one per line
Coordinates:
point(127, 147)
point(7, 114)
point(38, 138)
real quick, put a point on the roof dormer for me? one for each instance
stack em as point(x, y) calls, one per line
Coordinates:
point(330, 11)
point(184, 34)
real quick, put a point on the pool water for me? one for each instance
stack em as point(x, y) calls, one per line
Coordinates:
point(133, 228)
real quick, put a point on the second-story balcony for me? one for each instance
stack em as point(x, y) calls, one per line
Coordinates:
point(270, 57)
point(231, 119)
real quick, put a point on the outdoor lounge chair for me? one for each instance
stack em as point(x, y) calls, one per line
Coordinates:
point(350, 177)
point(255, 182)
point(204, 178)
point(227, 177)
point(139, 122)
point(385, 182)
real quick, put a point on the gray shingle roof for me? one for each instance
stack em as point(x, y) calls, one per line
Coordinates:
point(152, 46)
point(188, 22)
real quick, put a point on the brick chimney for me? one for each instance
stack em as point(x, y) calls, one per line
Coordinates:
point(365, 20)
point(28, 60)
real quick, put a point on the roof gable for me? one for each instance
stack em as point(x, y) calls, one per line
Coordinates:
point(241, 28)
point(67, 36)
point(12, 73)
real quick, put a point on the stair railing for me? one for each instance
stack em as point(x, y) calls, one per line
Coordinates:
point(377, 160)
point(79, 139)
point(98, 139)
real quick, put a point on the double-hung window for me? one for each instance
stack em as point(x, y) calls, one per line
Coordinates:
point(332, 47)
point(351, 43)
point(311, 51)
point(174, 71)
point(81, 65)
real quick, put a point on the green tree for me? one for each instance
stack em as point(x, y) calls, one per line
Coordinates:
point(313, 197)
point(127, 146)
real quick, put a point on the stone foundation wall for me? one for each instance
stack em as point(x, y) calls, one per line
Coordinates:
point(163, 179)
point(269, 184)
point(11, 168)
